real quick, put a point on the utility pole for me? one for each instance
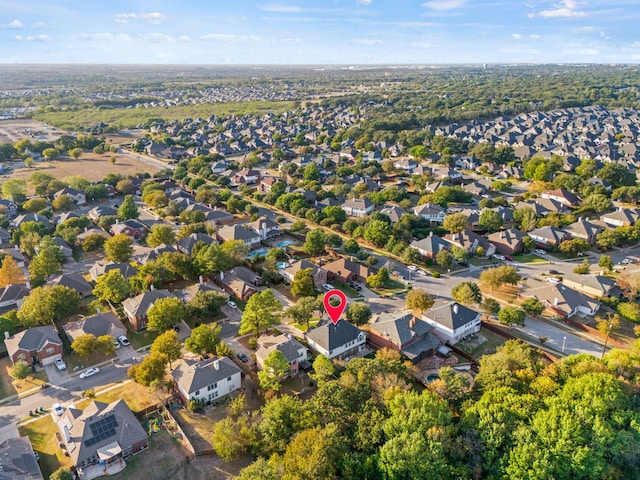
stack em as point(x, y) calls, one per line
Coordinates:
point(604, 349)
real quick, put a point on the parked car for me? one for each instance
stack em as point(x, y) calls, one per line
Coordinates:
point(507, 257)
point(232, 304)
point(124, 341)
point(553, 280)
point(499, 257)
point(89, 372)
point(60, 365)
point(540, 251)
point(176, 327)
point(242, 357)
point(327, 286)
point(58, 409)
point(355, 286)
point(413, 268)
point(463, 263)
point(115, 343)
point(626, 261)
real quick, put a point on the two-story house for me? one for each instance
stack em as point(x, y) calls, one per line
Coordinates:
point(137, 308)
point(246, 176)
point(78, 197)
point(265, 227)
point(38, 346)
point(358, 207)
point(132, 228)
point(452, 321)
point(341, 341)
point(430, 211)
point(206, 380)
point(293, 351)
point(319, 274)
point(548, 236)
point(241, 233)
point(429, 246)
point(240, 282)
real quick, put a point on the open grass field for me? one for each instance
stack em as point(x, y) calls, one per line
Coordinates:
point(43, 439)
point(136, 396)
point(10, 386)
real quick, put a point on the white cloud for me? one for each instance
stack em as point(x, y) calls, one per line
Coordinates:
point(535, 36)
point(421, 45)
point(517, 36)
point(105, 37)
point(229, 38)
point(636, 44)
point(15, 24)
point(365, 41)
point(39, 38)
point(291, 41)
point(154, 18)
point(364, 2)
point(444, 4)
point(18, 37)
point(38, 25)
point(566, 8)
point(157, 37)
point(184, 38)
point(281, 8)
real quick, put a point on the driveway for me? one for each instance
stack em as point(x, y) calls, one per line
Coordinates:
point(57, 377)
point(556, 337)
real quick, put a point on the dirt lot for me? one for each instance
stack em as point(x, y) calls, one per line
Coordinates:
point(13, 130)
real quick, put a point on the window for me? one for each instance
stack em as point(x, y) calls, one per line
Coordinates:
point(228, 379)
point(196, 393)
point(50, 350)
point(212, 387)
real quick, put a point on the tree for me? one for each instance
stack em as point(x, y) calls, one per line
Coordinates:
point(302, 311)
point(151, 370)
point(608, 239)
point(532, 306)
point(262, 311)
point(456, 222)
point(45, 304)
point(314, 242)
point(420, 300)
point(605, 263)
point(610, 325)
point(629, 284)
point(498, 276)
point(34, 205)
point(583, 268)
point(21, 370)
point(572, 247)
point(526, 218)
point(93, 242)
point(377, 232)
point(490, 221)
point(511, 316)
point(444, 258)
point(358, 313)
point(303, 285)
point(466, 293)
point(323, 369)
point(84, 345)
point(63, 202)
point(164, 313)
point(112, 287)
point(598, 202)
point(528, 244)
point(14, 189)
point(490, 306)
point(10, 273)
point(617, 175)
point(128, 209)
point(161, 234)
point(167, 343)
point(47, 262)
point(203, 339)
point(75, 153)
point(61, 473)
point(378, 280)
point(119, 248)
point(274, 368)
point(315, 453)
point(206, 304)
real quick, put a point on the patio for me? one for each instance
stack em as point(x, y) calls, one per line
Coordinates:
point(97, 470)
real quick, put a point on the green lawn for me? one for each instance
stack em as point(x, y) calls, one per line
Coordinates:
point(346, 289)
point(42, 435)
point(137, 397)
point(303, 326)
point(10, 386)
point(529, 258)
point(391, 287)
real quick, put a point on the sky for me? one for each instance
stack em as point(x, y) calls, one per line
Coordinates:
point(345, 32)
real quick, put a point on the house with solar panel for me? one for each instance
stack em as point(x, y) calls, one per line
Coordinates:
point(99, 438)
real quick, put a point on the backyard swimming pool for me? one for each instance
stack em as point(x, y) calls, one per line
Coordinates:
point(285, 243)
point(259, 252)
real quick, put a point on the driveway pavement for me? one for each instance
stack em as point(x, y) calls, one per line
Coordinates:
point(57, 377)
point(556, 337)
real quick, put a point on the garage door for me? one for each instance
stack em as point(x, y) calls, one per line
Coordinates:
point(49, 360)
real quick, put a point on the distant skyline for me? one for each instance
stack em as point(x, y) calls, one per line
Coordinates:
point(348, 32)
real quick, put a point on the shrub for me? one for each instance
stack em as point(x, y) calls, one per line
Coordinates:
point(629, 310)
point(435, 274)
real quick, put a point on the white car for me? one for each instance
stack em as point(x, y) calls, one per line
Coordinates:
point(89, 372)
point(60, 365)
point(58, 409)
point(626, 261)
point(327, 286)
point(232, 304)
point(413, 268)
point(539, 251)
point(124, 341)
point(553, 280)
point(499, 257)
point(115, 343)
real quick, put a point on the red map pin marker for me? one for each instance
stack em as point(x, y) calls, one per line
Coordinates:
point(335, 312)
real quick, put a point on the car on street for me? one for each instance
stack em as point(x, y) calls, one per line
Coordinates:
point(462, 263)
point(58, 409)
point(176, 327)
point(508, 258)
point(355, 286)
point(115, 343)
point(242, 357)
point(89, 372)
point(422, 272)
point(60, 365)
point(327, 286)
point(124, 341)
point(413, 268)
point(626, 261)
point(540, 251)
point(499, 257)
point(553, 280)
point(232, 304)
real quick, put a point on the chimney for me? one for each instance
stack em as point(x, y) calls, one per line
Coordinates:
point(455, 308)
point(156, 250)
point(431, 233)
point(117, 221)
point(555, 301)
point(7, 336)
point(200, 280)
point(221, 275)
point(289, 336)
point(216, 364)
point(36, 217)
point(28, 284)
point(453, 237)
point(67, 436)
point(412, 322)
point(86, 229)
point(153, 287)
point(501, 233)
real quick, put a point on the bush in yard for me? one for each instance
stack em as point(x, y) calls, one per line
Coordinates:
point(629, 310)
point(21, 370)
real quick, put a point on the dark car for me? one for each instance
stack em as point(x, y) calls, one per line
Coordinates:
point(508, 258)
point(355, 286)
point(176, 327)
point(242, 357)
point(463, 264)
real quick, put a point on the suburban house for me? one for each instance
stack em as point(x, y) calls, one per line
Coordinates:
point(267, 183)
point(12, 296)
point(8, 207)
point(136, 308)
point(593, 285)
point(246, 176)
point(319, 274)
point(38, 346)
point(17, 459)
point(293, 351)
point(584, 230)
point(217, 217)
point(91, 231)
point(358, 207)
point(100, 437)
point(99, 268)
point(548, 236)
point(75, 281)
point(562, 300)
point(132, 228)
point(16, 254)
point(405, 333)
point(432, 212)
point(345, 270)
point(563, 196)
point(188, 243)
point(154, 253)
point(393, 212)
point(507, 241)
point(241, 233)
point(470, 241)
point(78, 197)
point(31, 217)
point(5, 237)
point(341, 341)
point(97, 325)
point(621, 217)
point(406, 165)
point(429, 246)
point(206, 380)
point(102, 211)
point(240, 282)
point(452, 321)
point(265, 227)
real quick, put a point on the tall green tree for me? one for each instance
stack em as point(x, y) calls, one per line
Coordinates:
point(151, 370)
point(303, 285)
point(119, 248)
point(45, 304)
point(161, 234)
point(467, 293)
point(418, 299)
point(112, 287)
point(302, 311)
point(203, 339)
point(358, 313)
point(128, 209)
point(263, 310)
point(275, 368)
point(315, 242)
point(167, 343)
point(164, 313)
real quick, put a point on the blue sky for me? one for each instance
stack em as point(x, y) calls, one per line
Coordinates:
point(320, 31)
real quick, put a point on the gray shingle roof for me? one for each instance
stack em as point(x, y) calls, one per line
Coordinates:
point(330, 336)
point(74, 281)
point(452, 315)
point(32, 339)
point(192, 376)
point(17, 460)
point(140, 305)
point(397, 326)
